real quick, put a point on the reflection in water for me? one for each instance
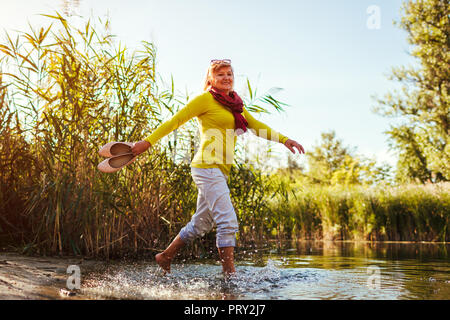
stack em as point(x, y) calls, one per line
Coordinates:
point(306, 271)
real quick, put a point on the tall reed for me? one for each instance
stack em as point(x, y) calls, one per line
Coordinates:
point(65, 92)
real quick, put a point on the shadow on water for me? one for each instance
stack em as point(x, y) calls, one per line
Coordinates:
point(303, 270)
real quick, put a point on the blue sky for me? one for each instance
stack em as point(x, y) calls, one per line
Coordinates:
point(321, 53)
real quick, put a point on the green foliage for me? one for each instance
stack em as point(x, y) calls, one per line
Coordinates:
point(407, 213)
point(331, 163)
point(422, 138)
point(327, 157)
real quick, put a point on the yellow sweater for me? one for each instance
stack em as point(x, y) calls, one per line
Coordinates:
point(217, 135)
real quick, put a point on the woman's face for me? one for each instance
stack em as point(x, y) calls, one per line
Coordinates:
point(223, 79)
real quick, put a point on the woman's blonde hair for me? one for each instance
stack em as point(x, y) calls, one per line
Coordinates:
point(212, 69)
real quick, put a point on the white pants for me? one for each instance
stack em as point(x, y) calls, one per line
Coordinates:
point(214, 208)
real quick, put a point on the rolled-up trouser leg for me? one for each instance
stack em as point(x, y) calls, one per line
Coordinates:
point(214, 207)
point(201, 222)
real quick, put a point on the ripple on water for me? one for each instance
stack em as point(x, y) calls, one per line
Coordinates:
point(193, 281)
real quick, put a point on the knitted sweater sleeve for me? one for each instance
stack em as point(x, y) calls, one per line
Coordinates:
point(192, 109)
point(262, 130)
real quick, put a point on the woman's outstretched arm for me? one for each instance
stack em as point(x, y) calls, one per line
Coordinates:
point(264, 131)
point(192, 109)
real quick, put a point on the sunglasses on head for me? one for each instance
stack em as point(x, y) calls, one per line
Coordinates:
point(214, 61)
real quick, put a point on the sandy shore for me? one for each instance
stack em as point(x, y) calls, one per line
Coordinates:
point(23, 277)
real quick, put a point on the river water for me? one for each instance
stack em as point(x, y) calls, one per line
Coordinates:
point(305, 270)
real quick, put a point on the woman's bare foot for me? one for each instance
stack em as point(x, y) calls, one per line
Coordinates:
point(163, 261)
point(165, 258)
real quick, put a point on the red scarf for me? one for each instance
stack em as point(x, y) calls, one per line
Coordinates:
point(234, 103)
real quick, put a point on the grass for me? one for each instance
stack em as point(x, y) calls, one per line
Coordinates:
point(402, 213)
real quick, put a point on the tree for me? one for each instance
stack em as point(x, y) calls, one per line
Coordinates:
point(330, 162)
point(422, 137)
point(325, 158)
point(361, 170)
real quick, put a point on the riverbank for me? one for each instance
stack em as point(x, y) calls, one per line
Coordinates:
point(36, 278)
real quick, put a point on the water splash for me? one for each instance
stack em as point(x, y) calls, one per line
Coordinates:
point(190, 281)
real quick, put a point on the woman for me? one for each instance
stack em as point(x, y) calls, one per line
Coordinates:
point(221, 115)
